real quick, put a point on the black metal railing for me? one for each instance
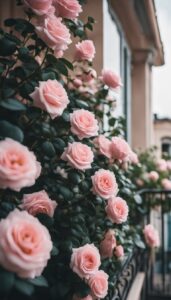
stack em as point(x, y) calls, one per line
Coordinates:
point(125, 277)
point(158, 271)
point(156, 264)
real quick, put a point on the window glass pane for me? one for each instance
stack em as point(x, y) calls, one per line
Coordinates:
point(112, 51)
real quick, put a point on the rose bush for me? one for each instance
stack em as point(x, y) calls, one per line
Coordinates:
point(71, 246)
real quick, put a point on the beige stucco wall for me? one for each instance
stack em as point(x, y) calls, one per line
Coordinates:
point(162, 129)
point(94, 9)
point(142, 128)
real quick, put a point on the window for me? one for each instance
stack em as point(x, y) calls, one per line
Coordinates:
point(166, 146)
point(117, 58)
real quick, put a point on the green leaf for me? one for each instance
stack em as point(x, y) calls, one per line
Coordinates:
point(140, 244)
point(61, 67)
point(48, 149)
point(67, 194)
point(112, 121)
point(12, 104)
point(45, 220)
point(39, 281)
point(9, 130)
point(6, 280)
point(74, 177)
point(82, 104)
point(7, 47)
point(67, 63)
point(91, 20)
point(24, 287)
point(59, 144)
point(57, 64)
point(48, 75)
point(10, 22)
point(138, 199)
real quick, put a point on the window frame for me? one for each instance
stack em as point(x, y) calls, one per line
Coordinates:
point(125, 71)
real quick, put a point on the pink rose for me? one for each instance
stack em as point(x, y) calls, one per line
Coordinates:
point(25, 244)
point(104, 184)
point(120, 148)
point(88, 75)
point(51, 97)
point(38, 202)
point(78, 156)
point(139, 182)
point(151, 236)
point(162, 165)
point(117, 210)
point(85, 260)
point(39, 7)
point(68, 9)
point(108, 244)
point(111, 79)
point(83, 124)
point(104, 145)
point(166, 184)
point(18, 166)
point(153, 175)
point(99, 284)
point(119, 251)
point(54, 33)
point(133, 158)
point(77, 82)
point(85, 50)
point(169, 165)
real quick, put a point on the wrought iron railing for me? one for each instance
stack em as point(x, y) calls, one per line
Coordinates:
point(158, 277)
point(133, 264)
point(156, 264)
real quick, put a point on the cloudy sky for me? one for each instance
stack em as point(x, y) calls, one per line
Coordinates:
point(162, 75)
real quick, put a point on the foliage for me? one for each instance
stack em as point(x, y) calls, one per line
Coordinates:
point(80, 216)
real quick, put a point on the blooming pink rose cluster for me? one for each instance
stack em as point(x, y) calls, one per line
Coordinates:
point(19, 167)
point(69, 9)
point(133, 158)
point(83, 124)
point(85, 50)
point(51, 97)
point(111, 79)
point(162, 165)
point(25, 244)
point(117, 148)
point(50, 27)
point(54, 34)
point(153, 176)
point(166, 184)
point(39, 7)
point(151, 236)
point(103, 145)
point(169, 165)
point(104, 184)
point(117, 210)
point(37, 203)
point(85, 262)
point(109, 247)
point(78, 155)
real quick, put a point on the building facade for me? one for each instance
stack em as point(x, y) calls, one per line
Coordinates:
point(162, 136)
point(127, 40)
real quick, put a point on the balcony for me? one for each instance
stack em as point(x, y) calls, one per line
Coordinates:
point(146, 275)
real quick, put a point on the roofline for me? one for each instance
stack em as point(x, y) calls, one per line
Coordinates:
point(152, 14)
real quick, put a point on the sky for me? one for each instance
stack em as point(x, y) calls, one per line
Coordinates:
point(162, 75)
